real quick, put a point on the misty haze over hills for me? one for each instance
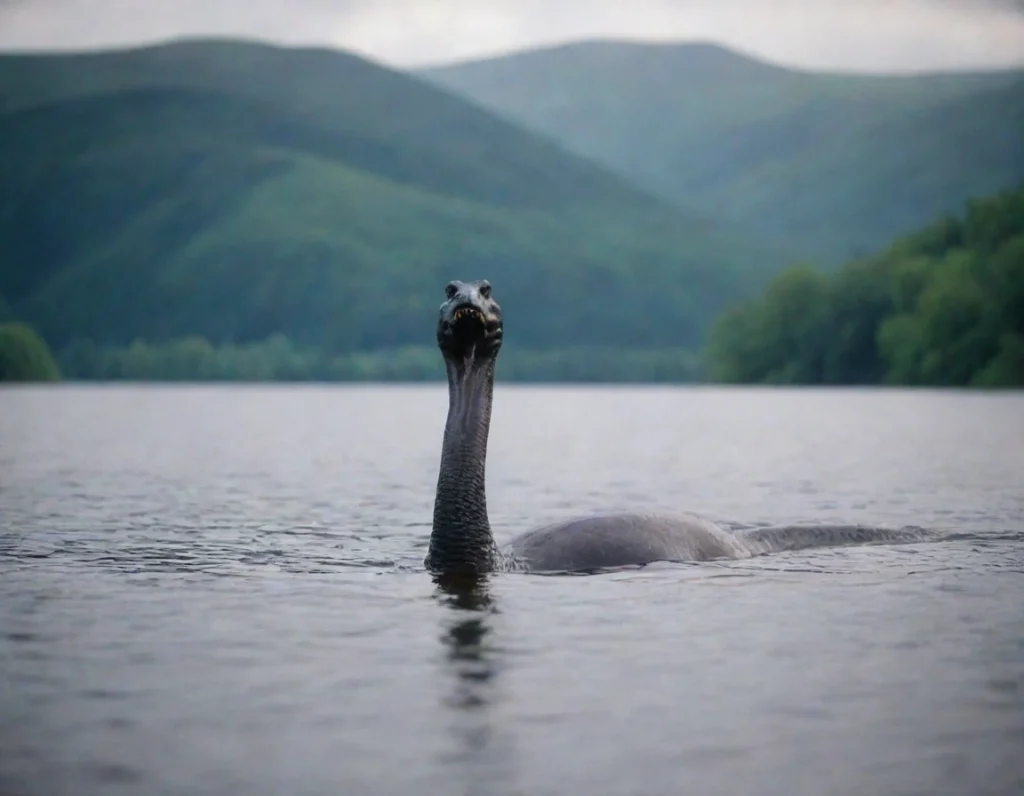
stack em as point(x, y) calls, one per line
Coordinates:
point(838, 163)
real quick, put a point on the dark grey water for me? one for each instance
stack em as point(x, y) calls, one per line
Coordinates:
point(219, 591)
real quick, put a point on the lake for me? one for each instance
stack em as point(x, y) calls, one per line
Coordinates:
point(219, 590)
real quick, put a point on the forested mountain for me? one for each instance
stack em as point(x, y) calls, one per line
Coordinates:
point(236, 191)
point(940, 307)
point(835, 164)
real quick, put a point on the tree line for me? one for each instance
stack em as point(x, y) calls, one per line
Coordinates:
point(279, 359)
point(941, 307)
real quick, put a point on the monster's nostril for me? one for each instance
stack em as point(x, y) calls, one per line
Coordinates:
point(485, 289)
point(451, 290)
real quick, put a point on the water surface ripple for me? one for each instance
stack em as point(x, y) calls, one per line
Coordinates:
point(219, 590)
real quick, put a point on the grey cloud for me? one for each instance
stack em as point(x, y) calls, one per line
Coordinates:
point(869, 34)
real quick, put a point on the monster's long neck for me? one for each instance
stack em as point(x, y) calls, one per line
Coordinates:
point(461, 539)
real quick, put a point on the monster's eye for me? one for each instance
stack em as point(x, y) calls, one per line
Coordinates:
point(485, 289)
point(451, 290)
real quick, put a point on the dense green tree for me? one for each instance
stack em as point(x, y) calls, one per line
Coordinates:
point(24, 355)
point(941, 307)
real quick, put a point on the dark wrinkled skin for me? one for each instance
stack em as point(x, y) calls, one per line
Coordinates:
point(469, 335)
point(461, 539)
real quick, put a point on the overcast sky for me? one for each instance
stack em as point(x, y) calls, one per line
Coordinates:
point(872, 35)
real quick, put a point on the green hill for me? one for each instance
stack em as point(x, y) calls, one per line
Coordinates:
point(236, 191)
point(941, 307)
point(836, 164)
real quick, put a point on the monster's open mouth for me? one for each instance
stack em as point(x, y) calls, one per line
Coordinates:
point(469, 326)
point(467, 316)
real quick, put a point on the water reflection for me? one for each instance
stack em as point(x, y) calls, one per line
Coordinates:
point(480, 751)
point(466, 637)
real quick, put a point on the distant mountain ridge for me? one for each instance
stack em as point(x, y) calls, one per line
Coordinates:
point(316, 87)
point(236, 190)
point(839, 163)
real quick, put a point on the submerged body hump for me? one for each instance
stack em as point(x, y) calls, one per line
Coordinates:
point(622, 539)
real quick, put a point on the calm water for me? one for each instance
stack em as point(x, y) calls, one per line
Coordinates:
point(219, 591)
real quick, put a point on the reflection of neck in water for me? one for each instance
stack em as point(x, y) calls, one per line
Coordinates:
point(471, 656)
point(466, 638)
point(468, 591)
